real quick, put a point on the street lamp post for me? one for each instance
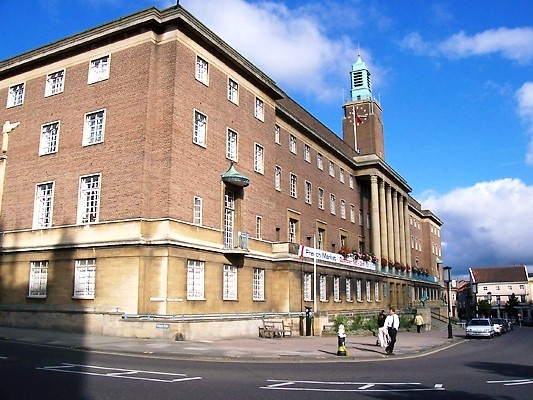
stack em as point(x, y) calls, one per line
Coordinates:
point(489, 299)
point(498, 305)
point(447, 274)
point(474, 292)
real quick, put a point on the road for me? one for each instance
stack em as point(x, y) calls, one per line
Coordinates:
point(501, 368)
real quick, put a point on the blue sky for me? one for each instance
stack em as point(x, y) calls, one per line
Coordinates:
point(455, 80)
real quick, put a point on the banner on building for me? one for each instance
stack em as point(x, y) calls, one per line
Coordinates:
point(322, 255)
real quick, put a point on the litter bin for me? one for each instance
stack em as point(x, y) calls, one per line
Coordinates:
point(308, 320)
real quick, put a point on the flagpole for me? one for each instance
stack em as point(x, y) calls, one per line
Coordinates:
point(314, 274)
point(354, 116)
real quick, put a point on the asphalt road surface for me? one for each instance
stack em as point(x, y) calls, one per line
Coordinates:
point(501, 368)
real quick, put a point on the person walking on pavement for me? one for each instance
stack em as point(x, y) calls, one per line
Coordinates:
point(419, 321)
point(392, 322)
point(382, 330)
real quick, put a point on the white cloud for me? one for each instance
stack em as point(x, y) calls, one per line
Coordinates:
point(524, 96)
point(513, 44)
point(488, 224)
point(289, 45)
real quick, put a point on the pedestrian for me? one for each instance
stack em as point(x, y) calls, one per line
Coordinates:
point(419, 321)
point(392, 322)
point(382, 330)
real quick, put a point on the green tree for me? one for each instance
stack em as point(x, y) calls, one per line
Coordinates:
point(511, 306)
point(484, 308)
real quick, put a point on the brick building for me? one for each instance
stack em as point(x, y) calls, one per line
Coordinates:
point(154, 175)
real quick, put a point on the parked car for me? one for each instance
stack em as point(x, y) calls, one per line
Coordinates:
point(499, 328)
point(480, 327)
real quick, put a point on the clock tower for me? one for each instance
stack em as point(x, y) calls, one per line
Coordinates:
point(362, 125)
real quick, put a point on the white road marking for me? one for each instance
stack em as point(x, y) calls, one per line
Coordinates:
point(514, 382)
point(95, 370)
point(325, 386)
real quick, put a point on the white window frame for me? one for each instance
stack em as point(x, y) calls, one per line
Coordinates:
point(201, 70)
point(99, 69)
point(341, 175)
point(55, 83)
point(233, 91)
point(38, 279)
point(229, 289)
point(320, 198)
point(377, 297)
point(232, 138)
point(198, 210)
point(343, 209)
point(348, 289)
point(89, 199)
point(308, 192)
point(49, 141)
point(94, 127)
point(277, 178)
point(259, 159)
point(277, 134)
point(351, 179)
point(358, 293)
point(308, 286)
point(292, 230)
point(258, 226)
point(43, 208)
point(199, 135)
point(259, 284)
point(360, 217)
point(195, 280)
point(294, 186)
point(320, 161)
point(307, 152)
point(259, 109)
point(332, 203)
point(352, 213)
point(336, 289)
point(15, 95)
point(323, 288)
point(368, 291)
point(84, 279)
point(332, 169)
point(292, 143)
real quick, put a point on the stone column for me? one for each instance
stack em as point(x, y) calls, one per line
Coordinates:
point(396, 226)
point(383, 222)
point(407, 234)
point(390, 236)
point(374, 219)
point(403, 258)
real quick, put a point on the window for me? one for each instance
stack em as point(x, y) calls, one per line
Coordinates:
point(332, 203)
point(200, 128)
point(343, 209)
point(321, 238)
point(42, 210)
point(292, 144)
point(84, 278)
point(258, 226)
point(197, 214)
point(94, 127)
point(89, 199)
point(307, 153)
point(360, 217)
point(521, 287)
point(231, 145)
point(331, 169)
point(348, 289)
point(321, 198)
point(319, 162)
point(358, 293)
point(509, 287)
point(259, 109)
point(54, 83)
point(233, 91)
point(384, 289)
point(350, 180)
point(195, 280)
point(368, 220)
point(258, 159)
point(308, 286)
point(259, 284)
point(230, 283)
point(376, 291)
point(341, 175)
point(352, 213)
point(336, 289)
point(276, 134)
point(201, 73)
point(15, 95)
point(323, 296)
point(368, 291)
point(38, 279)
point(98, 69)
point(308, 192)
point(294, 182)
point(49, 138)
point(497, 287)
point(277, 178)
point(293, 226)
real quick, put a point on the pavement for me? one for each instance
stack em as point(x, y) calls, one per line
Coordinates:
point(359, 348)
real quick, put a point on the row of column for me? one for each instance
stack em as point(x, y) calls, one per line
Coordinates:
point(389, 211)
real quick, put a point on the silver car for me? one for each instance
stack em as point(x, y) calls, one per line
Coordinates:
point(480, 327)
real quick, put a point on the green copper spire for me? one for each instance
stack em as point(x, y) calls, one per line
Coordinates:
point(360, 76)
point(233, 177)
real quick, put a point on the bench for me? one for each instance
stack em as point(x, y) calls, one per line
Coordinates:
point(275, 328)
